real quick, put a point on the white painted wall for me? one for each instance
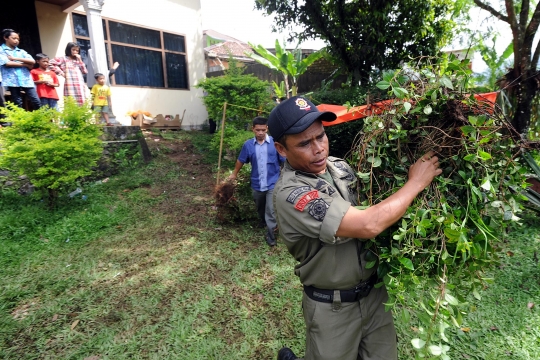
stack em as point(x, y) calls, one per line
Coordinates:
point(176, 16)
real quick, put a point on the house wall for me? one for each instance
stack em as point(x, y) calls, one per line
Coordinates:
point(176, 16)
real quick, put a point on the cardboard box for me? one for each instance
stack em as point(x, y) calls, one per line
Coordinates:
point(160, 121)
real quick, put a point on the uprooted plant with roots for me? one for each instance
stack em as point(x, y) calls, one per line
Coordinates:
point(438, 254)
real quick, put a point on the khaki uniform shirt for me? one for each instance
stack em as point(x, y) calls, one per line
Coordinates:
point(309, 211)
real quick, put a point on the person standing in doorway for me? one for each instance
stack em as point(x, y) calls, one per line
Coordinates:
point(15, 64)
point(72, 68)
point(265, 168)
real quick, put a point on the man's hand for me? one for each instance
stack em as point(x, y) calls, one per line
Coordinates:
point(424, 170)
point(231, 177)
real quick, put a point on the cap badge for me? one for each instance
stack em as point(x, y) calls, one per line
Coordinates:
point(303, 104)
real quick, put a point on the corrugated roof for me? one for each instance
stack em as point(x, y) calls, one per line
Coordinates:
point(234, 48)
point(220, 36)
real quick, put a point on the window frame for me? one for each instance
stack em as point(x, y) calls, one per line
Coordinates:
point(163, 51)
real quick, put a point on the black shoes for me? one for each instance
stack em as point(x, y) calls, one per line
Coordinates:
point(270, 238)
point(286, 354)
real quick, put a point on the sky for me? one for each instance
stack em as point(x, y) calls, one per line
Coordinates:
point(240, 19)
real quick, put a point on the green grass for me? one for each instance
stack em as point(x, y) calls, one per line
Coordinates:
point(149, 274)
point(502, 326)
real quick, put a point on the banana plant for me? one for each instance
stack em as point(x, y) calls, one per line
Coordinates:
point(279, 90)
point(289, 63)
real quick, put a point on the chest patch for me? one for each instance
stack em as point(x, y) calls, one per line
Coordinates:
point(296, 193)
point(304, 200)
point(318, 209)
point(325, 188)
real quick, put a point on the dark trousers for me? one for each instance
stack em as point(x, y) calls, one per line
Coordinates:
point(265, 208)
point(31, 94)
point(52, 103)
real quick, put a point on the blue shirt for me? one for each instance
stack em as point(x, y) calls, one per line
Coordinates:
point(14, 76)
point(264, 161)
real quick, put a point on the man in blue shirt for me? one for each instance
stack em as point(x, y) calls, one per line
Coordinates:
point(265, 168)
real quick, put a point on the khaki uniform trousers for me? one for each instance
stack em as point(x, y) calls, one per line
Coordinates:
point(359, 330)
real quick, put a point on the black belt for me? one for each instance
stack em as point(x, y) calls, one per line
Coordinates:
point(352, 295)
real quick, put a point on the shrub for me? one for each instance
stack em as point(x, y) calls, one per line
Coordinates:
point(247, 95)
point(440, 250)
point(54, 149)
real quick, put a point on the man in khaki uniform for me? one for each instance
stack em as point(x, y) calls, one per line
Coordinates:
point(314, 200)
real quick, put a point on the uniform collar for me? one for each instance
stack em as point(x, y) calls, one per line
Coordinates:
point(340, 172)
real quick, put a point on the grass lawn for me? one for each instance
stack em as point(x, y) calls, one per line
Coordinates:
point(141, 270)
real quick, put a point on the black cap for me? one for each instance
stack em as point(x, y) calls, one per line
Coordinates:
point(295, 115)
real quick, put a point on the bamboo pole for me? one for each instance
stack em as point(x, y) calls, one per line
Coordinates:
point(221, 141)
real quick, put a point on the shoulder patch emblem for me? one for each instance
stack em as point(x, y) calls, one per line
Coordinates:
point(318, 209)
point(296, 193)
point(340, 166)
point(304, 200)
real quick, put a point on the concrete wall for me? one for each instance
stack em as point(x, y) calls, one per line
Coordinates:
point(176, 16)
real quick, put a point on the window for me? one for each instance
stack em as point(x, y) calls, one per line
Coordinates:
point(148, 57)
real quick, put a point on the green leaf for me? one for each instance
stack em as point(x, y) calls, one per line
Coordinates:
point(420, 230)
point(469, 157)
point(405, 316)
point(418, 343)
point(486, 185)
point(383, 85)
point(467, 129)
point(407, 106)
point(407, 263)
point(484, 155)
point(400, 92)
point(452, 234)
point(447, 82)
point(370, 264)
point(476, 294)
point(435, 349)
point(375, 161)
point(451, 300)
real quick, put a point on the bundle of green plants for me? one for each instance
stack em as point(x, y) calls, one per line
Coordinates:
point(438, 253)
point(53, 149)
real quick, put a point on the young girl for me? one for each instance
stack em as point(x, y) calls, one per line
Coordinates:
point(72, 68)
point(46, 82)
point(15, 65)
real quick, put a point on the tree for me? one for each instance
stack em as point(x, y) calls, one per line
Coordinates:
point(289, 63)
point(364, 34)
point(522, 80)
